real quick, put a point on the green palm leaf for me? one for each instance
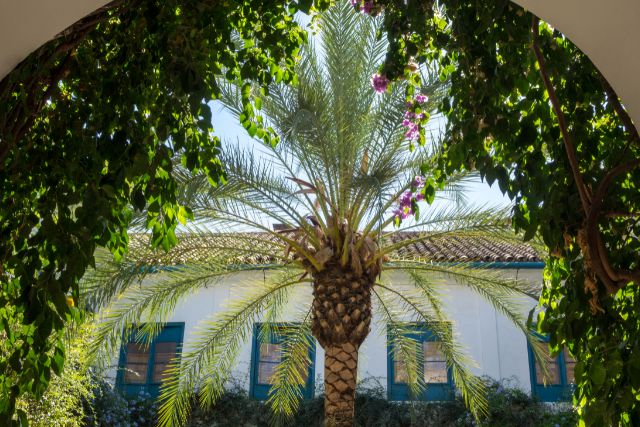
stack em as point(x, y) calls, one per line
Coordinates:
point(333, 182)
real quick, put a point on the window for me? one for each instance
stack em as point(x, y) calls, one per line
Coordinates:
point(560, 379)
point(436, 375)
point(265, 358)
point(142, 366)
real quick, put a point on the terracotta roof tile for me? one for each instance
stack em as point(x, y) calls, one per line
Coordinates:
point(253, 248)
point(464, 249)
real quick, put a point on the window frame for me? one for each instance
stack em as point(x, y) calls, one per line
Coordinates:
point(171, 332)
point(433, 392)
point(261, 391)
point(551, 392)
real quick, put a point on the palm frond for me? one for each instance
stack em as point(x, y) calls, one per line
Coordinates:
point(207, 362)
point(152, 303)
point(405, 348)
point(454, 221)
point(472, 387)
point(290, 376)
point(507, 295)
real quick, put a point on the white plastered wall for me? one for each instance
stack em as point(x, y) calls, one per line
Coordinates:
point(498, 347)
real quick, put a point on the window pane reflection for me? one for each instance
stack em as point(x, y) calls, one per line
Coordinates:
point(570, 366)
point(399, 372)
point(269, 359)
point(435, 366)
point(165, 352)
point(553, 370)
point(137, 363)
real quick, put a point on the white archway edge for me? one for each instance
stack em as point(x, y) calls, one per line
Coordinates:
point(26, 25)
point(607, 31)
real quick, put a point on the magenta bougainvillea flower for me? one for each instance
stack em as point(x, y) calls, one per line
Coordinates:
point(379, 82)
point(413, 132)
point(421, 99)
point(367, 7)
point(418, 181)
point(405, 203)
point(414, 120)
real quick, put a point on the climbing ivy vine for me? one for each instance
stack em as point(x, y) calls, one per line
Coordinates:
point(90, 121)
point(89, 124)
point(530, 112)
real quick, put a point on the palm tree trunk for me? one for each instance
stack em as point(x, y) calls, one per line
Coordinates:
point(340, 371)
point(341, 319)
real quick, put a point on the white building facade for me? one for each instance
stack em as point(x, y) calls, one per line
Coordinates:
point(498, 347)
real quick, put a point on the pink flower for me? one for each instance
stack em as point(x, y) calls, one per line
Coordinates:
point(398, 213)
point(354, 3)
point(418, 181)
point(405, 199)
point(367, 8)
point(419, 197)
point(406, 122)
point(379, 83)
point(413, 133)
point(420, 98)
point(409, 115)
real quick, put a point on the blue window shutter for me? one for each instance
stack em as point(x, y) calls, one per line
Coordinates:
point(551, 392)
point(401, 391)
point(261, 391)
point(172, 332)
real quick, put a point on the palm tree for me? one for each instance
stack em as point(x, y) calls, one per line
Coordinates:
point(333, 181)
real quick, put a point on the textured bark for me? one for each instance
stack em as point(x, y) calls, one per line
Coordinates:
point(341, 306)
point(340, 371)
point(341, 319)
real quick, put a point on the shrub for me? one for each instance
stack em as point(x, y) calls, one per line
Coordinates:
point(110, 408)
point(82, 397)
point(508, 407)
point(65, 402)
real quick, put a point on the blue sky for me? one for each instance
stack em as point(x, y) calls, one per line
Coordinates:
point(231, 132)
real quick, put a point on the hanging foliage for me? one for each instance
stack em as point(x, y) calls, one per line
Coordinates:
point(88, 126)
point(530, 112)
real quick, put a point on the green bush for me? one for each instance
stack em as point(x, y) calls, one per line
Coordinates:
point(66, 401)
point(83, 398)
point(508, 406)
point(110, 408)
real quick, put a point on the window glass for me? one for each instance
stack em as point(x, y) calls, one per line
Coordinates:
point(143, 366)
point(269, 359)
point(553, 370)
point(266, 355)
point(164, 353)
point(136, 364)
point(399, 371)
point(570, 365)
point(435, 366)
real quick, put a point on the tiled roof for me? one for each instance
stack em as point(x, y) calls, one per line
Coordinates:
point(464, 249)
point(254, 248)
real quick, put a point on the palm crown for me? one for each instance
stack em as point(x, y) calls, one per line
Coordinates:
point(334, 183)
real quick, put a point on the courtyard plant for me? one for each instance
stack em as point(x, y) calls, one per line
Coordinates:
point(530, 111)
point(347, 170)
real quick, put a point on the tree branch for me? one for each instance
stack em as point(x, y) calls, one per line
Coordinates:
point(612, 98)
point(600, 260)
point(566, 136)
point(595, 252)
point(21, 121)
